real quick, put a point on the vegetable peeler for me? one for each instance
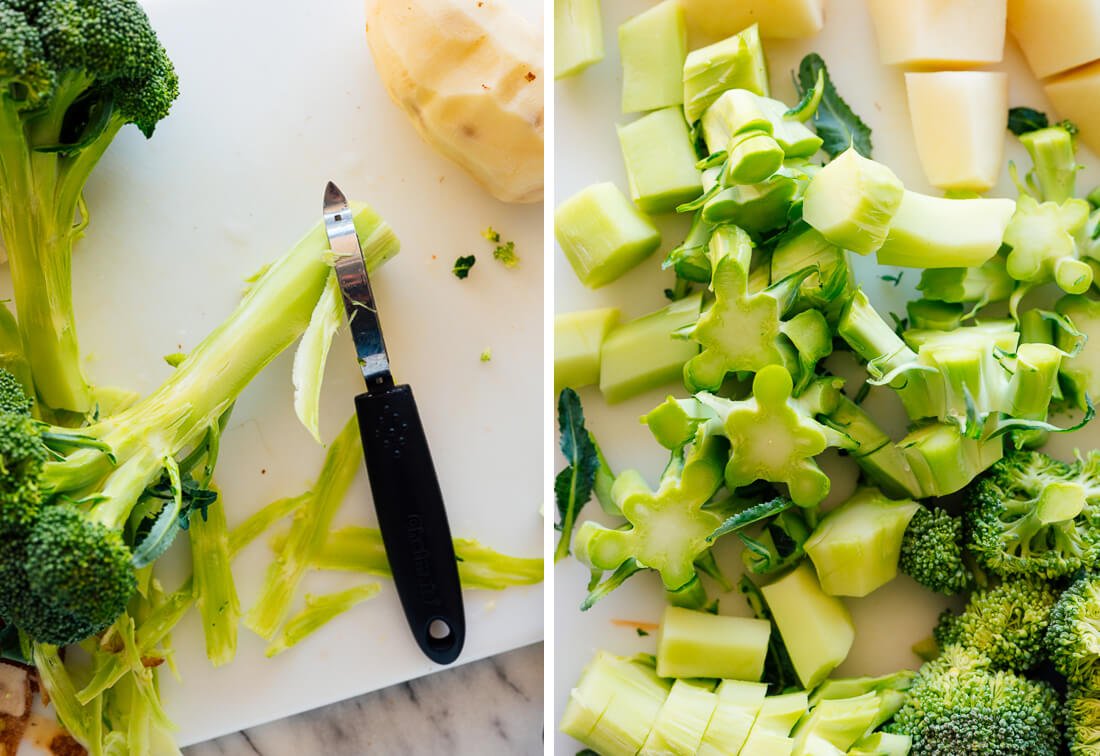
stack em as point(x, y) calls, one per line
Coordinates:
point(407, 498)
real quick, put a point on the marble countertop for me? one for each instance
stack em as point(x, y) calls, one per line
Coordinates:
point(492, 706)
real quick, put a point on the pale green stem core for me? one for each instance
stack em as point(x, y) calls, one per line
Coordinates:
point(1060, 502)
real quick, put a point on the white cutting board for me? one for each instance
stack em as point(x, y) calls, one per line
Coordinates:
point(276, 99)
point(893, 618)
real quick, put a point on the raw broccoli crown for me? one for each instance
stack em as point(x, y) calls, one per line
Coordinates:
point(12, 397)
point(1005, 624)
point(22, 456)
point(932, 552)
point(1030, 514)
point(106, 45)
point(1082, 713)
point(959, 705)
point(1073, 636)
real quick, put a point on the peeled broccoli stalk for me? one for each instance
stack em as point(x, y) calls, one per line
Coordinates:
point(815, 626)
point(660, 161)
point(753, 157)
point(1026, 515)
point(318, 612)
point(71, 76)
point(602, 234)
point(307, 533)
point(855, 547)
point(1080, 371)
point(1053, 155)
point(668, 528)
point(837, 722)
point(770, 735)
point(736, 62)
point(797, 344)
point(958, 704)
point(683, 719)
point(701, 644)
point(360, 549)
point(1072, 639)
point(852, 202)
point(738, 704)
point(74, 564)
point(937, 232)
point(578, 36)
point(882, 744)
point(984, 284)
point(1043, 241)
point(932, 552)
point(934, 315)
point(646, 353)
point(1004, 624)
point(1082, 726)
point(832, 280)
point(215, 591)
point(613, 706)
point(739, 111)
point(757, 208)
point(652, 48)
point(775, 437)
point(578, 338)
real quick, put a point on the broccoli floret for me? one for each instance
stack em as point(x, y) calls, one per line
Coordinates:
point(1030, 514)
point(1073, 637)
point(71, 75)
point(932, 552)
point(89, 507)
point(1082, 712)
point(959, 705)
point(1005, 623)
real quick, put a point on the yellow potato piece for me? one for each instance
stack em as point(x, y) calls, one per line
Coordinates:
point(959, 125)
point(1076, 96)
point(950, 33)
point(469, 75)
point(777, 18)
point(1056, 35)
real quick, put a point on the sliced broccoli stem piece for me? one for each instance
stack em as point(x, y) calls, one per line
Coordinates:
point(1043, 242)
point(1080, 372)
point(984, 284)
point(738, 705)
point(660, 161)
point(753, 157)
point(652, 48)
point(578, 36)
point(701, 644)
point(578, 339)
point(852, 202)
point(1060, 501)
point(690, 260)
point(938, 232)
point(1053, 154)
point(683, 719)
point(832, 280)
point(934, 315)
point(736, 62)
point(674, 422)
point(757, 208)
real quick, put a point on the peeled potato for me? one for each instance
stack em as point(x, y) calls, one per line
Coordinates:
point(1075, 95)
point(468, 73)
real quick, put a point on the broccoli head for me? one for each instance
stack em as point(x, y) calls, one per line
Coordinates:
point(932, 552)
point(1030, 514)
point(1082, 712)
point(959, 705)
point(71, 75)
point(1005, 623)
point(1073, 636)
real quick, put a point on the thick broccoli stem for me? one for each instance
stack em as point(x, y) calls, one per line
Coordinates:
point(308, 533)
point(39, 199)
point(215, 591)
point(176, 416)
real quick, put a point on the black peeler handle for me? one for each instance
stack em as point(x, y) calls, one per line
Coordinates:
point(413, 520)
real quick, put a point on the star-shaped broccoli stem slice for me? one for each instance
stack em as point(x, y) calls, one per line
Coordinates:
point(774, 436)
point(667, 529)
point(1043, 238)
point(743, 331)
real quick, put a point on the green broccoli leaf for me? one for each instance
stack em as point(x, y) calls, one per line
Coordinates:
point(834, 120)
point(462, 266)
point(573, 486)
point(1023, 120)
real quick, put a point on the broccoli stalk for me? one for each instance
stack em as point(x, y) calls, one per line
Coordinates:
point(71, 568)
point(71, 76)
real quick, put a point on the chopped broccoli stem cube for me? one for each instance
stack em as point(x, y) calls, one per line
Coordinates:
point(683, 719)
point(614, 704)
point(660, 161)
point(838, 722)
point(602, 234)
point(701, 644)
point(779, 714)
point(578, 339)
point(1043, 241)
point(986, 283)
point(644, 353)
point(816, 627)
point(673, 423)
point(753, 157)
point(936, 232)
point(578, 36)
point(736, 62)
point(652, 47)
point(738, 111)
point(852, 202)
point(738, 704)
point(855, 547)
point(1052, 152)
